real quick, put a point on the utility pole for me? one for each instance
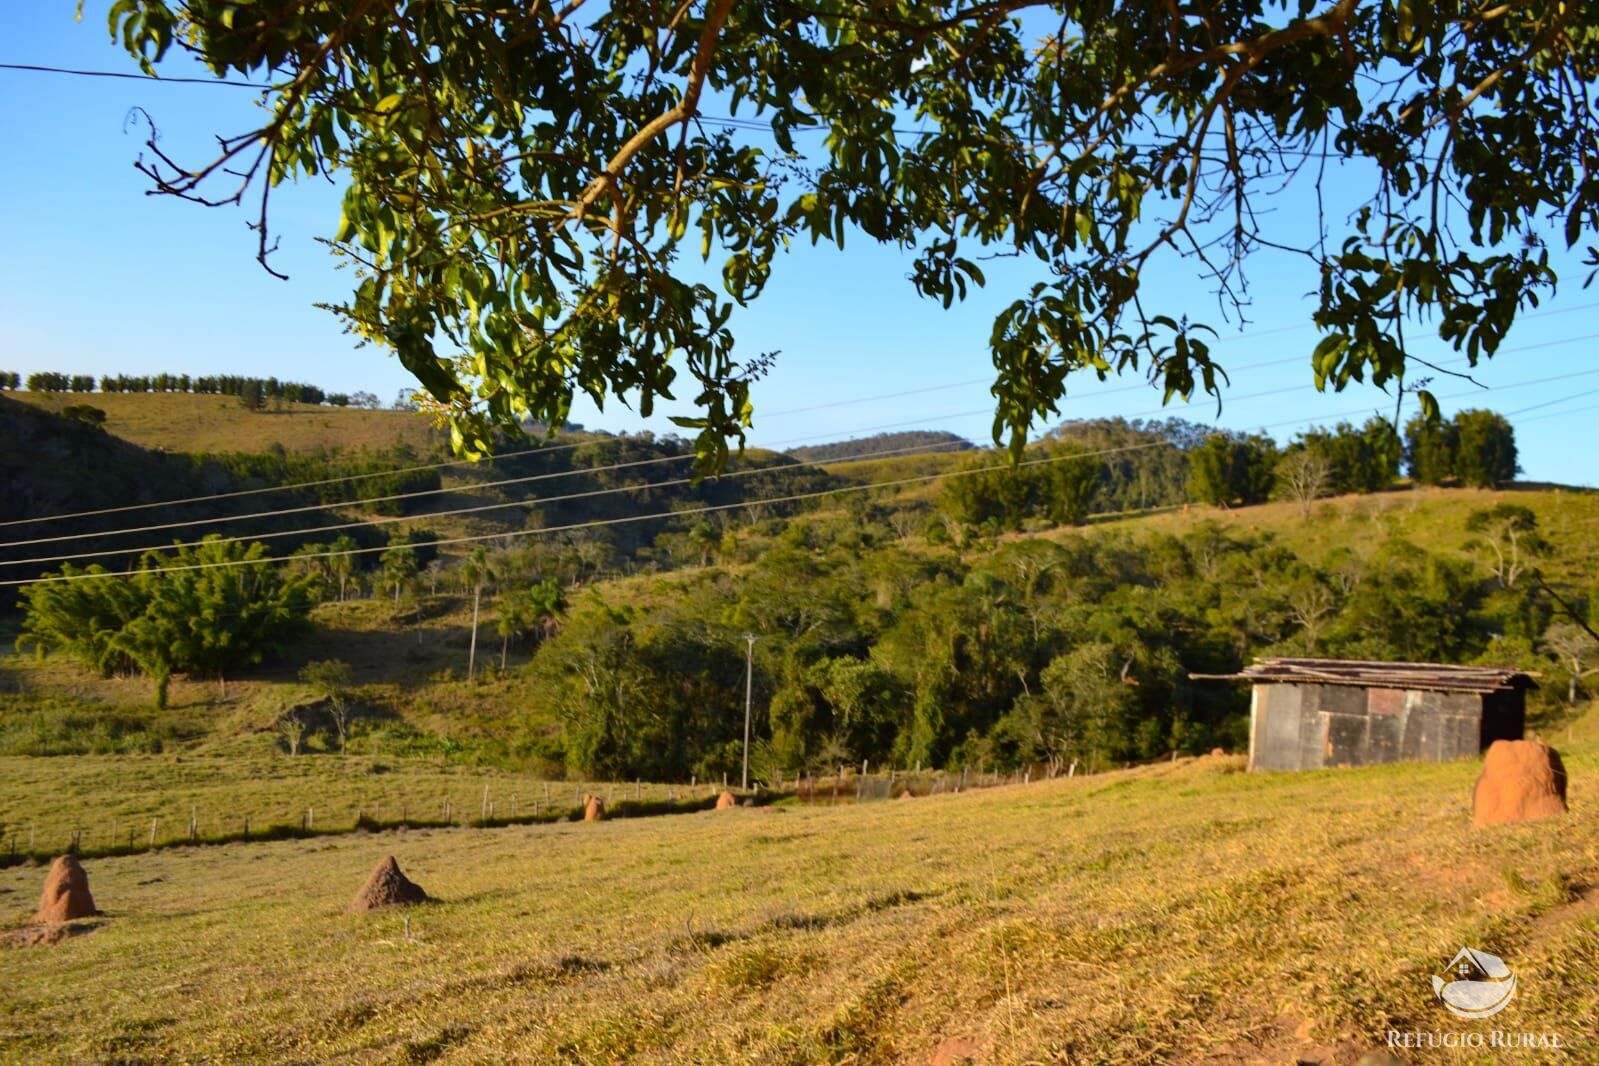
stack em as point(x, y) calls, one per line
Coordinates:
point(749, 677)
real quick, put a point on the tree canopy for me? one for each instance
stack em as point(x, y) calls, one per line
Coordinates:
point(529, 184)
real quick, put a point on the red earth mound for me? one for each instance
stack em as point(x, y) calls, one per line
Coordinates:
point(387, 887)
point(1521, 781)
point(725, 801)
point(593, 808)
point(66, 892)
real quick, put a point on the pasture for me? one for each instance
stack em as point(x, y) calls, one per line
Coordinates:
point(1181, 912)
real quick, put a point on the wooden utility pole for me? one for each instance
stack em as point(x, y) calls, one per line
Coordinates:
point(749, 678)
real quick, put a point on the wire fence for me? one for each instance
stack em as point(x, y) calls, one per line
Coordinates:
point(98, 835)
point(221, 821)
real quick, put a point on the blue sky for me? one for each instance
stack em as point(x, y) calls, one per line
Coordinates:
point(100, 278)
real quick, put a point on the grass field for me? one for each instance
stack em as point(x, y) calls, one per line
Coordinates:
point(1433, 517)
point(108, 797)
point(185, 422)
point(1183, 912)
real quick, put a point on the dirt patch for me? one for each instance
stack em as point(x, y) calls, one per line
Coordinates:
point(66, 893)
point(387, 887)
point(1521, 781)
point(1285, 1040)
point(33, 936)
point(960, 1050)
point(1581, 906)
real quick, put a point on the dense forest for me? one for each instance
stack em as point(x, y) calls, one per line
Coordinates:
point(1038, 650)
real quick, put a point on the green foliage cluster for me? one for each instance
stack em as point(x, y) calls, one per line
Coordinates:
point(1477, 447)
point(1232, 468)
point(537, 188)
point(85, 413)
point(375, 474)
point(1143, 463)
point(1364, 459)
point(572, 486)
point(230, 610)
point(51, 381)
point(10, 379)
point(1054, 480)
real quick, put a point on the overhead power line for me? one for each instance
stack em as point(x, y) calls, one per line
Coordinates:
point(421, 493)
point(526, 479)
point(37, 68)
point(553, 449)
point(535, 501)
point(549, 449)
point(289, 487)
point(717, 508)
point(1560, 414)
point(602, 522)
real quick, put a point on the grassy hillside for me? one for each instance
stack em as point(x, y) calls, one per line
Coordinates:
point(185, 422)
point(1183, 912)
point(1434, 517)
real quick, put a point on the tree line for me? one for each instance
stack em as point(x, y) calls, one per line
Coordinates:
point(248, 388)
point(1476, 448)
point(1113, 465)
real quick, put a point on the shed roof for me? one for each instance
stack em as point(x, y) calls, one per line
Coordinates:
point(1432, 677)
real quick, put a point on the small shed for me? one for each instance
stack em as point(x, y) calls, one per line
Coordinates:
point(1311, 713)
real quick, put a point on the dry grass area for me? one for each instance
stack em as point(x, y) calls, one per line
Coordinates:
point(1430, 516)
point(1184, 912)
point(183, 422)
point(106, 798)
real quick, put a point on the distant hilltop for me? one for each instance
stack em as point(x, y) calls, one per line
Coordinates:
point(907, 443)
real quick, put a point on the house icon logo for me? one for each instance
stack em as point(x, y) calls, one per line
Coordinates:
point(1476, 984)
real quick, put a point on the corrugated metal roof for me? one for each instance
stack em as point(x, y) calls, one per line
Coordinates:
point(1433, 677)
